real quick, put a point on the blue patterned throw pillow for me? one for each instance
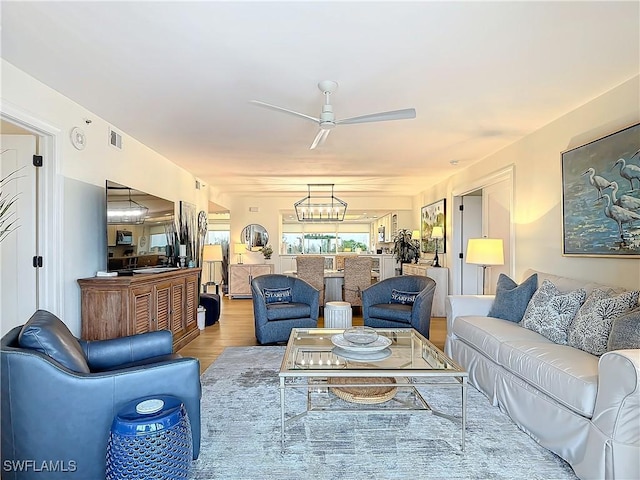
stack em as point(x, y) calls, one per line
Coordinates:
point(512, 299)
point(550, 312)
point(625, 331)
point(589, 330)
point(277, 295)
point(404, 298)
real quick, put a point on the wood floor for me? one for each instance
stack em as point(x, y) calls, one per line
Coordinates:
point(235, 329)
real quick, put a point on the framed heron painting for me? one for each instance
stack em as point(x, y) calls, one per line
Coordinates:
point(601, 196)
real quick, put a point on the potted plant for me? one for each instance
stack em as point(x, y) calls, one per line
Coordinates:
point(405, 249)
point(267, 251)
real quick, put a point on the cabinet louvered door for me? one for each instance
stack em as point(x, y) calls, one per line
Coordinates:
point(142, 302)
point(163, 306)
point(177, 308)
point(191, 303)
point(119, 306)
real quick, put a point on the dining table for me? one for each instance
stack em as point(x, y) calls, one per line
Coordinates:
point(333, 282)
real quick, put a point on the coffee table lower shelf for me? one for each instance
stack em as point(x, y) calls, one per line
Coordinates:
point(323, 396)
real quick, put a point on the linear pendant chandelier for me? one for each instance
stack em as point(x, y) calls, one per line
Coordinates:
point(321, 205)
point(127, 212)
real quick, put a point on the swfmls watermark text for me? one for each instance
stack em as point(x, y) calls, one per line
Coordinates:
point(64, 466)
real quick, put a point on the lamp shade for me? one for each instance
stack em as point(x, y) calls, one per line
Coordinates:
point(212, 253)
point(415, 235)
point(240, 248)
point(485, 251)
point(437, 232)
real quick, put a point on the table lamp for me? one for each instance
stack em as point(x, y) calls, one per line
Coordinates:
point(485, 252)
point(212, 254)
point(436, 233)
point(240, 248)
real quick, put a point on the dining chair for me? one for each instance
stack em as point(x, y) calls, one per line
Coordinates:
point(311, 270)
point(357, 277)
point(340, 262)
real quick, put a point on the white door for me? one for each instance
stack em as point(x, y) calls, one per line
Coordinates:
point(18, 277)
point(470, 226)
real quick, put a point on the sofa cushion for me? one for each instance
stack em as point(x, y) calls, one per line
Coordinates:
point(589, 331)
point(625, 331)
point(45, 333)
point(566, 284)
point(568, 375)
point(391, 311)
point(550, 312)
point(488, 333)
point(288, 311)
point(512, 299)
point(403, 298)
point(277, 295)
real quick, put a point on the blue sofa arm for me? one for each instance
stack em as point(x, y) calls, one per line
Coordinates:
point(107, 354)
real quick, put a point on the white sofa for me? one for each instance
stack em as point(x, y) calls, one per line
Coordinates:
point(584, 408)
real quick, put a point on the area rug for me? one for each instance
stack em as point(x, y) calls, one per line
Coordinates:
point(241, 434)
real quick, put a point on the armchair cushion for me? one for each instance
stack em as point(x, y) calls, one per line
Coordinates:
point(286, 311)
point(403, 298)
point(277, 295)
point(46, 333)
point(397, 312)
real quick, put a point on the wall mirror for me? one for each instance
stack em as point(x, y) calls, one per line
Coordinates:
point(254, 236)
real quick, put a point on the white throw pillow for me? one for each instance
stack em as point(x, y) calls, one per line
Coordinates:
point(550, 312)
point(589, 331)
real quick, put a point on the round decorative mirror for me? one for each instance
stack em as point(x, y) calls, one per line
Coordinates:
point(254, 236)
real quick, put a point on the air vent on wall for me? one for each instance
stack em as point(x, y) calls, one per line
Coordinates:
point(115, 139)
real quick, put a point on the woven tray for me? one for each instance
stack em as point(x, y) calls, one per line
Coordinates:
point(365, 395)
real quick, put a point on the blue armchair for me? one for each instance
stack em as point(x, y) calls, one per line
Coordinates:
point(60, 395)
point(280, 303)
point(380, 311)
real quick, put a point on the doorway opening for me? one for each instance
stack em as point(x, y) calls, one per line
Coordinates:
point(482, 209)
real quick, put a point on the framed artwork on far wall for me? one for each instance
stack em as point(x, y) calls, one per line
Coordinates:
point(433, 215)
point(601, 197)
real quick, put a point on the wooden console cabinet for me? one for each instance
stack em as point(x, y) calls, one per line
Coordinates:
point(240, 276)
point(126, 305)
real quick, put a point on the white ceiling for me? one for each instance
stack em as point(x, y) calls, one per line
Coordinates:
point(179, 76)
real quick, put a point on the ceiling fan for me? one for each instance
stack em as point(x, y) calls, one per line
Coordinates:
point(327, 120)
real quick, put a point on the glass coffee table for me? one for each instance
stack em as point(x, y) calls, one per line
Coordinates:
point(381, 377)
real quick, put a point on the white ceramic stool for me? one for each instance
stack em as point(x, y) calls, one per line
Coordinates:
point(337, 315)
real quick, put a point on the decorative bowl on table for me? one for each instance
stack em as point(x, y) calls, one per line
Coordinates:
point(360, 335)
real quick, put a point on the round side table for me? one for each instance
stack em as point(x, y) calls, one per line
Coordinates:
point(150, 438)
point(337, 315)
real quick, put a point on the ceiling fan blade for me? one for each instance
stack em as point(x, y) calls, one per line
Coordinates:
point(320, 138)
point(285, 110)
point(380, 117)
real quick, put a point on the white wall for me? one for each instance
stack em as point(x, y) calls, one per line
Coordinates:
point(538, 189)
point(80, 179)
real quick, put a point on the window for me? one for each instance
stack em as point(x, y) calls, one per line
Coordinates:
point(294, 243)
point(217, 237)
